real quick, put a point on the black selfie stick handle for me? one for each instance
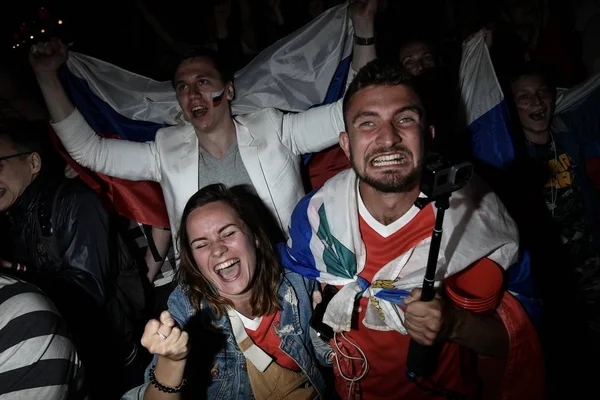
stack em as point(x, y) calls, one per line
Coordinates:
point(421, 359)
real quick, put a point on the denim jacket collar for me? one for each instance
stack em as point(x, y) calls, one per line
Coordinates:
point(289, 323)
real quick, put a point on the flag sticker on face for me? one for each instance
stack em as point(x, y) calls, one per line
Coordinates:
point(217, 97)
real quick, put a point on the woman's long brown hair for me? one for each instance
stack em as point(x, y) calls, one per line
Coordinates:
point(267, 275)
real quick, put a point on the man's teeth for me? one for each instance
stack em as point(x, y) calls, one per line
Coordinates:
point(394, 159)
point(538, 115)
point(226, 264)
point(199, 110)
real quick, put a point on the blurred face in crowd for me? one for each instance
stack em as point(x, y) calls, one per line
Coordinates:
point(223, 247)
point(523, 12)
point(16, 173)
point(203, 96)
point(385, 138)
point(534, 101)
point(416, 57)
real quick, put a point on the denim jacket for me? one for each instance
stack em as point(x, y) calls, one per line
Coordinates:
point(228, 376)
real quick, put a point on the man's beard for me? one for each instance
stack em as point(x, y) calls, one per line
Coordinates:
point(392, 182)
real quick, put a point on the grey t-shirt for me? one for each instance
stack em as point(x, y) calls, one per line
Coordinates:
point(229, 170)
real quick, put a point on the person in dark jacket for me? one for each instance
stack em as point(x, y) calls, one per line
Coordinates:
point(560, 153)
point(61, 238)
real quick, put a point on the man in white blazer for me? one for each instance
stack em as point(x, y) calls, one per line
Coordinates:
point(261, 150)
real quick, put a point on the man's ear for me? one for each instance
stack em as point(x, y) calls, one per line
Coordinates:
point(230, 91)
point(35, 163)
point(345, 143)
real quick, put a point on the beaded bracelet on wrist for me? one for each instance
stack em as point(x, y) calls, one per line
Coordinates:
point(162, 387)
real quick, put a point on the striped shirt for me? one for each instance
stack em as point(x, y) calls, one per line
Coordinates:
point(38, 360)
point(138, 234)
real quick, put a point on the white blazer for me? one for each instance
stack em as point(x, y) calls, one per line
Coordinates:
point(270, 144)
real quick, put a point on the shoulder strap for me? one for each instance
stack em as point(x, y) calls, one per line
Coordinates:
point(252, 352)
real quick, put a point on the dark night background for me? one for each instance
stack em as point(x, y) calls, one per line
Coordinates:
point(144, 36)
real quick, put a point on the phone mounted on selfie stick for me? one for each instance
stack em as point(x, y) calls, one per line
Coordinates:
point(440, 177)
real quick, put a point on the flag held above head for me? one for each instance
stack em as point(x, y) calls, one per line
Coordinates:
point(296, 73)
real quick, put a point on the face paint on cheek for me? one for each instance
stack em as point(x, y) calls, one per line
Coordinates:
point(217, 97)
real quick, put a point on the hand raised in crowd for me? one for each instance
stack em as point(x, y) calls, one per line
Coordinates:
point(222, 11)
point(48, 57)
point(275, 6)
point(164, 338)
point(362, 13)
point(488, 36)
point(427, 321)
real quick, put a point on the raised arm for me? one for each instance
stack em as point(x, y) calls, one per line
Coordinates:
point(119, 158)
point(319, 128)
point(362, 14)
point(164, 339)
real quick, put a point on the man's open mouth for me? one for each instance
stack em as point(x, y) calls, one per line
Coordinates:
point(391, 159)
point(539, 115)
point(199, 111)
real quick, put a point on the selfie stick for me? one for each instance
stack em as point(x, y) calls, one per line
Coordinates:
point(422, 360)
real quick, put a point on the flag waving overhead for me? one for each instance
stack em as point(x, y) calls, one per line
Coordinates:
point(300, 71)
point(140, 201)
point(484, 106)
point(294, 74)
point(125, 93)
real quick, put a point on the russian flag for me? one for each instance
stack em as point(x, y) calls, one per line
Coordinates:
point(305, 69)
point(302, 70)
point(492, 143)
point(484, 106)
point(96, 90)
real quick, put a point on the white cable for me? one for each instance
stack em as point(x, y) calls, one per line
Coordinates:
point(363, 358)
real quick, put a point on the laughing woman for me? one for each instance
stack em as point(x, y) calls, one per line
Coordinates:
point(234, 288)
